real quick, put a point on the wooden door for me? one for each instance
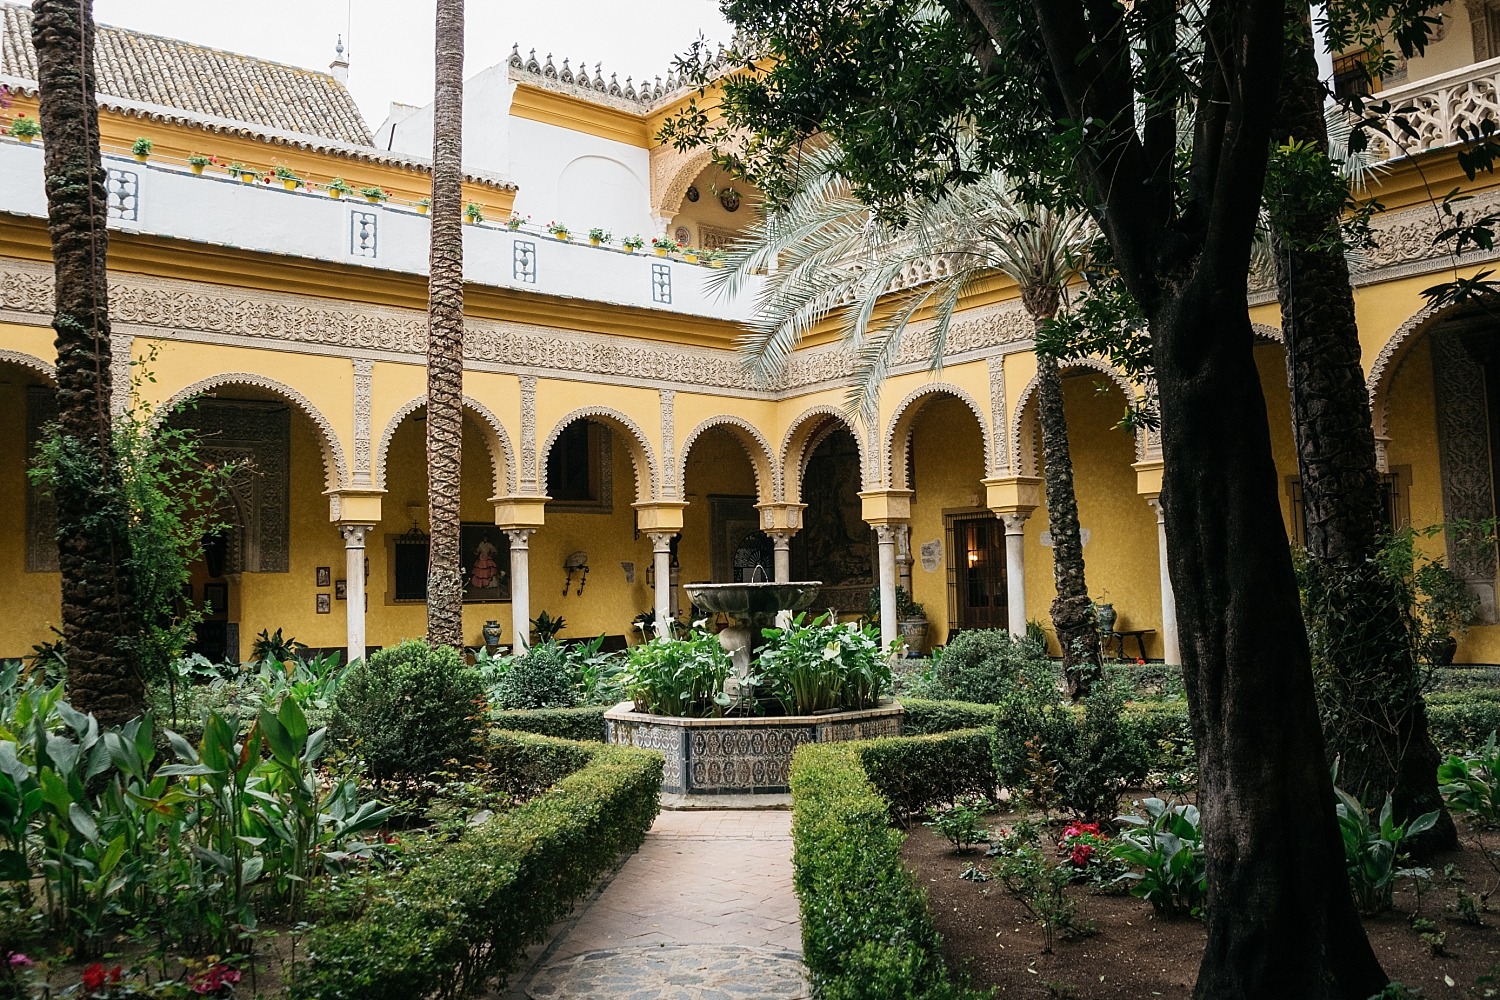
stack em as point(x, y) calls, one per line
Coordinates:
point(980, 573)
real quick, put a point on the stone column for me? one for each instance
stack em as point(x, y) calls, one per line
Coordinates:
point(1171, 652)
point(903, 557)
point(354, 584)
point(1015, 571)
point(885, 534)
point(520, 587)
point(781, 539)
point(661, 556)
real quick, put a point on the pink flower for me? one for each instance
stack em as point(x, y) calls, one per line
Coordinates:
point(17, 960)
point(1081, 855)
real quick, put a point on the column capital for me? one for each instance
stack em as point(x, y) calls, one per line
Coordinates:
point(520, 538)
point(660, 515)
point(520, 511)
point(661, 541)
point(1015, 521)
point(1013, 494)
point(880, 507)
point(355, 533)
point(1148, 475)
point(887, 532)
point(785, 517)
point(354, 504)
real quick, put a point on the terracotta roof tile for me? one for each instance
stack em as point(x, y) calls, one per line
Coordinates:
point(173, 74)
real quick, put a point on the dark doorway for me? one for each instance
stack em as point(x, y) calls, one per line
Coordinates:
point(979, 572)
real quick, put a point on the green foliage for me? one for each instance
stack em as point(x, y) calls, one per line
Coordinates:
point(1044, 748)
point(925, 716)
point(452, 925)
point(681, 677)
point(906, 606)
point(1461, 720)
point(1148, 680)
point(546, 627)
point(541, 678)
point(1164, 849)
point(866, 930)
point(408, 708)
point(822, 665)
point(1471, 784)
point(982, 666)
point(1020, 862)
point(1373, 850)
point(272, 647)
point(914, 773)
point(585, 724)
point(960, 822)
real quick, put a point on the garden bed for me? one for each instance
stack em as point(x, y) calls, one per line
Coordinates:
point(1135, 954)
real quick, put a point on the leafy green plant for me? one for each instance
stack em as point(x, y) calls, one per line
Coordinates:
point(1374, 851)
point(546, 627)
point(142, 146)
point(1020, 863)
point(270, 647)
point(906, 607)
point(408, 708)
point(681, 677)
point(25, 127)
point(541, 678)
point(1471, 784)
point(960, 822)
point(819, 665)
point(376, 193)
point(981, 665)
point(1164, 849)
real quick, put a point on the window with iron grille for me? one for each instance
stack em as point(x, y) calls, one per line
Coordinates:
point(123, 190)
point(1395, 507)
point(409, 566)
point(362, 234)
point(523, 261)
point(661, 283)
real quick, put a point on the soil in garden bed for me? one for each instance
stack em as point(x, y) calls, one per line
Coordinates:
point(1135, 955)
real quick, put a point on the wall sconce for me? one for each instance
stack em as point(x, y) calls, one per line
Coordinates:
point(577, 562)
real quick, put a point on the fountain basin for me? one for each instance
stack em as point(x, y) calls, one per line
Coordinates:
point(753, 600)
point(730, 762)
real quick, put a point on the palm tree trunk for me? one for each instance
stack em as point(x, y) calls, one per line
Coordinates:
point(445, 334)
point(1072, 610)
point(1375, 718)
point(100, 620)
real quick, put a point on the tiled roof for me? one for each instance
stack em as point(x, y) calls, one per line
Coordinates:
point(173, 74)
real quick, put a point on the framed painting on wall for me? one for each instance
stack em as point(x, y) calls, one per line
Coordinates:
point(485, 552)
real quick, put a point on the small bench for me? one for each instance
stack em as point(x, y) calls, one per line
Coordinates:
point(1119, 636)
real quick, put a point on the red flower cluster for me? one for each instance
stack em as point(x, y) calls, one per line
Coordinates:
point(95, 977)
point(1079, 841)
point(214, 979)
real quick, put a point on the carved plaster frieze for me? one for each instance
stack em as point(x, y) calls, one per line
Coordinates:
point(528, 434)
point(668, 404)
point(364, 370)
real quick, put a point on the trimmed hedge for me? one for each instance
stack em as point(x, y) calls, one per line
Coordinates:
point(1462, 721)
point(914, 772)
point(466, 914)
point(866, 931)
point(584, 724)
point(924, 717)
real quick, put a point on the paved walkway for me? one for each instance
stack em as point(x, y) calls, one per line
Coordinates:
point(704, 911)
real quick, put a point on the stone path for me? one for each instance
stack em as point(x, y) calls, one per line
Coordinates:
point(704, 911)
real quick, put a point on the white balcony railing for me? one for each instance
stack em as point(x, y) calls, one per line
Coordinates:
point(1439, 107)
point(169, 201)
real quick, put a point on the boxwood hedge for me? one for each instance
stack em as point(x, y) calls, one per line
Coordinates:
point(915, 772)
point(585, 723)
point(464, 916)
point(866, 931)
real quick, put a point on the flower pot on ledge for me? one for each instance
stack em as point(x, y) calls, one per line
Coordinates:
point(594, 242)
point(142, 157)
point(197, 168)
point(289, 184)
point(335, 193)
point(660, 251)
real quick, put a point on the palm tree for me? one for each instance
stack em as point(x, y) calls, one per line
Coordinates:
point(445, 334)
point(101, 623)
point(825, 254)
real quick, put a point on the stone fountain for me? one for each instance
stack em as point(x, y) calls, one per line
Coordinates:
point(741, 761)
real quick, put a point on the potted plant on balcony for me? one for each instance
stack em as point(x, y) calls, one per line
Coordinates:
point(516, 221)
point(25, 128)
point(375, 195)
point(715, 258)
point(599, 236)
point(337, 188)
point(690, 255)
point(287, 177)
point(559, 230)
point(424, 205)
point(197, 162)
point(663, 245)
point(473, 213)
point(244, 173)
point(632, 243)
point(141, 149)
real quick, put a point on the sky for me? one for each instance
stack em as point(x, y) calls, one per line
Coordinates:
point(389, 42)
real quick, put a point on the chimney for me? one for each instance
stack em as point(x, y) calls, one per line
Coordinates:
point(340, 65)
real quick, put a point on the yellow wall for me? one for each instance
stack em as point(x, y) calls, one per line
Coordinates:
point(31, 601)
point(717, 466)
point(948, 464)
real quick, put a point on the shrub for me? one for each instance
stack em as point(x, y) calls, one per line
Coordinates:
point(822, 665)
point(1468, 784)
point(543, 678)
point(585, 724)
point(1164, 850)
point(924, 716)
point(982, 665)
point(1045, 749)
point(1148, 680)
point(451, 926)
point(1462, 720)
point(914, 773)
point(960, 822)
point(1039, 885)
point(408, 708)
point(866, 930)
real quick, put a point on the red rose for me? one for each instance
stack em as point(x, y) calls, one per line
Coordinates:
point(93, 977)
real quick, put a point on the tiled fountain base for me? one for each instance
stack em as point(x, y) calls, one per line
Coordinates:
point(675, 972)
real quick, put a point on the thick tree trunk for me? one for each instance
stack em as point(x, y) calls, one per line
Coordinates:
point(100, 620)
point(1281, 922)
point(1072, 610)
point(1375, 716)
point(445, 335)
